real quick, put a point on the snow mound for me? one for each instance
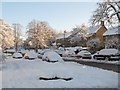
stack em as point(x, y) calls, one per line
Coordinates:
point(17, 55)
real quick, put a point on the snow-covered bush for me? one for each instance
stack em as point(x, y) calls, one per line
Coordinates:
point(112, 43)
point(93, 43)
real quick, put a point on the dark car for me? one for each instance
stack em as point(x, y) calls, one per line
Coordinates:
point(107, 54)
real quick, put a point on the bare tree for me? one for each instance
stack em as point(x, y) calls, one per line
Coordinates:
point(79, 35)
point(109, 11)
point(17, 33)
point(6, 35)
point(40, 33)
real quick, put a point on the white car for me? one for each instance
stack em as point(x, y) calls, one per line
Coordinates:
point(60, 52)
point(107, 54)
point(41, 52)
point(51, 56)
point(30, 55)
point(17, 55)
point(68, 53)
point(84, 54)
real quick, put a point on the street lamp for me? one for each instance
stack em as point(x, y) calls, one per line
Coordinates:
point(64, 39)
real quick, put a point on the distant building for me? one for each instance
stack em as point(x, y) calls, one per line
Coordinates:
point(65, 38)
point(112, 36)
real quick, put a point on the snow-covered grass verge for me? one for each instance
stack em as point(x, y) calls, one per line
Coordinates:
point(24, 73)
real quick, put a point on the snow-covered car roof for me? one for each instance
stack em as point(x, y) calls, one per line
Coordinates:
point(59, 51)
point(83, 52)
point(24, 51)
point(107, 51)
point(31, 54)
point(10, 50)
point(52, 56)
point(17, 55)
point(69, 52)
point(43, 51)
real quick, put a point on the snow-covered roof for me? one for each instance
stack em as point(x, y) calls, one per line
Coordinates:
point(62, 35)
point(75, 30)
point(112, 31)
point(93, 29)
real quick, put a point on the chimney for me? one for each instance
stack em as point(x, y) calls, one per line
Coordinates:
point(102, 23)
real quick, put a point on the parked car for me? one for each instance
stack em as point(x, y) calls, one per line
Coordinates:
point(41, 52)
point(17, 55)
point(60, 52)
point(23, 52)
point(107, 54)
point(11, 51)
point(84, 54)
point(30, 55)
point(51, 56)
point(68, 53)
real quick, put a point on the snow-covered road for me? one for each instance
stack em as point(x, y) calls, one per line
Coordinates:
point(25, 74)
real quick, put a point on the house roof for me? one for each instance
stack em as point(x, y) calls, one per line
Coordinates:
point(74, 31)
point(112, 31)
point(93, 29)
point(62, 35)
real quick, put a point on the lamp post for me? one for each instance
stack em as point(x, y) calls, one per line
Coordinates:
point(64, 39)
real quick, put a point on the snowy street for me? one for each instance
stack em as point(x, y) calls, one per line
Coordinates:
point(23, 73)
point(60, 45)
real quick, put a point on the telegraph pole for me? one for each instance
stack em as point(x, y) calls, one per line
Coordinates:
point(64, 39)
